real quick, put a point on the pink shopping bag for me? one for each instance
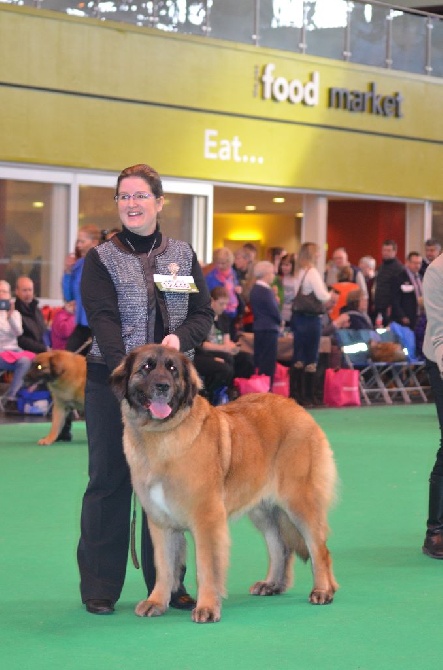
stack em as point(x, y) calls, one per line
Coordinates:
point(280, 385)
point(341, 388)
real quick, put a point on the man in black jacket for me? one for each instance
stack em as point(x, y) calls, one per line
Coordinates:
point(388, 270)
point(34, 326)
point(407, 293)
point(432, 250)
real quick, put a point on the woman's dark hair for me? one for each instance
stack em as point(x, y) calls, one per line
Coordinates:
point(353, 299)
point(145, 172)
point(287, 258)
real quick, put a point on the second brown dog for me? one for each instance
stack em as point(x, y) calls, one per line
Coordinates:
point(65, 376)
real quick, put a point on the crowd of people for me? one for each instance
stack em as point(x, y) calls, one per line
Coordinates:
point(308, 305)
point(265, 298)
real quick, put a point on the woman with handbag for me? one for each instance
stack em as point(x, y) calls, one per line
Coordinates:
point(311, 300)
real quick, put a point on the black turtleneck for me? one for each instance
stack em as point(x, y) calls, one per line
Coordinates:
point(142, 244)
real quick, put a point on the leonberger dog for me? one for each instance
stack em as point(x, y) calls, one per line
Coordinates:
point(194, 465)
point(64, 373)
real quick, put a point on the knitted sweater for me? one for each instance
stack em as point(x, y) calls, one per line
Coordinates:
point(124, 307)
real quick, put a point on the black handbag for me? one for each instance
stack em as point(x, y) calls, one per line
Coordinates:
point(307, 304)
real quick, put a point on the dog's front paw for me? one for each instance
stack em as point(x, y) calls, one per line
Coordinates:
point(266, 589)
point(45, 440)
point(206, 614)
point(321, 597)
point(150, 608)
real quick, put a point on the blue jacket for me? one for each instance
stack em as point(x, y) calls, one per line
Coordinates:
point(71, 291)
point(265, 308)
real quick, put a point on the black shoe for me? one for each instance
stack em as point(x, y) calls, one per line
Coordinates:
point(99, 606)
point(65, 436)
point(182, 601)
point(10, 405)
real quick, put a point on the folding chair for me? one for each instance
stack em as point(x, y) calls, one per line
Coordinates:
point(413, 365)
point(354, 345)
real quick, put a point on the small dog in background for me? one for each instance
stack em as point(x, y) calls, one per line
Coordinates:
point(64, 373)
point(194, 465)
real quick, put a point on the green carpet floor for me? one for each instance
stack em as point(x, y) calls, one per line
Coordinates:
point(385, 616)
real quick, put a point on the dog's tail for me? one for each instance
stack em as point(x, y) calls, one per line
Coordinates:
point(291, 536)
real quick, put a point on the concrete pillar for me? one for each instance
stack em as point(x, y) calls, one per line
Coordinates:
point(314, 225)
point(418, 225)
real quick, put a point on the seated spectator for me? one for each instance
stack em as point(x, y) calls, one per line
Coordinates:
point(342, 287)
point(63, 324)
point(12, 357)
point(218, 360)
point(356, 309)
point(35, 335)
point(223, 275)
point(328, 329)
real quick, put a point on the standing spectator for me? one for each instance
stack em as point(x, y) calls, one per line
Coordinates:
point(12, 357)
point(432, 250)
point(306, 325)
point(63, 324)
point(35, 336)
point(267, 319)
point(243, 267)
point(275, 254)
point(433, 351)
point(407, 292)
point(223, 274)
point(126, 308)
point(340, 261)
point(288, 282)
point(88, 237)
point(368, 265)
point(390, 267)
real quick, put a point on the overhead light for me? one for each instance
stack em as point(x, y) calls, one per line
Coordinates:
point(278, 199)
point(250, 208)
point(38, 204)
point(299, 215)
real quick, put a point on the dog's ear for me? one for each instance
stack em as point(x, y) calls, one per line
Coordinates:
point(192, 381)
point(55, 365)
point(120, 376)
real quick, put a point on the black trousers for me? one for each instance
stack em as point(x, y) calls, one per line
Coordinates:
point(265, 352)
point(437, 390)
point(102, 552)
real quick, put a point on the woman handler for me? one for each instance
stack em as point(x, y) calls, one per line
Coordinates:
point(126, 308)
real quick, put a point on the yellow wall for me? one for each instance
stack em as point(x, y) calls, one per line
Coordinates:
point(85, 94)
point(268, 230)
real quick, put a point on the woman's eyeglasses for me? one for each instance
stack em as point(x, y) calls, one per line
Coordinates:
point(125, 197)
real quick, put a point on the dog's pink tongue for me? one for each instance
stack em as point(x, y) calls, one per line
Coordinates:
point(159, 410)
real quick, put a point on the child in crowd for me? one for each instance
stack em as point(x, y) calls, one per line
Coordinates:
point(267, 319)
point(63, 324)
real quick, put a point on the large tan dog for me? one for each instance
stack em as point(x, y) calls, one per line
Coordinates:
point(65, 375)
point(193, 465)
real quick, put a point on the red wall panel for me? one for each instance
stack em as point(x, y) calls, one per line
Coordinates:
point(361, 226)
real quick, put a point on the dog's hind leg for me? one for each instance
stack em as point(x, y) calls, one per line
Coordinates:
point(309, 518)
point(169, 550)
point(270, 521)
